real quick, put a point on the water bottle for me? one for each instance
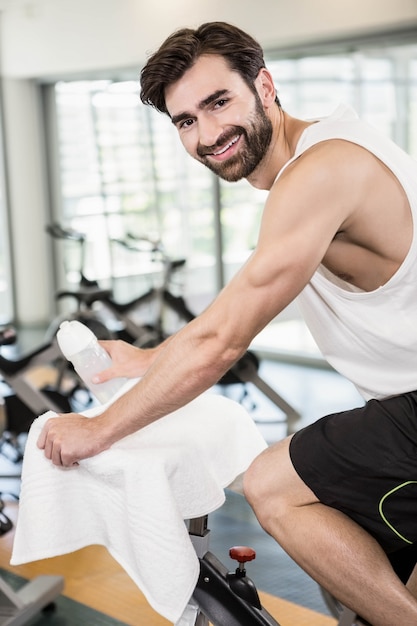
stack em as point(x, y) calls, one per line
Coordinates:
point(80, 346)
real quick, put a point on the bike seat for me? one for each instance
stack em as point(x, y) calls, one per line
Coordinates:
point(177, 263)
point(8, 336)
point(242, 370)
point(13, 366)
point(86, 296)
point(59, 232)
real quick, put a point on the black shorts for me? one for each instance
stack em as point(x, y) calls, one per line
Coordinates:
point(363, 462)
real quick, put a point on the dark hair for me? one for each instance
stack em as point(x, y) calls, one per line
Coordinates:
point(181, 50)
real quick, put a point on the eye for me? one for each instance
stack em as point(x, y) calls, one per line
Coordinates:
point(186, 123)
point(220, 103)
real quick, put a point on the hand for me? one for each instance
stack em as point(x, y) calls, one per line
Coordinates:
point(69, 438)
point(128, 361)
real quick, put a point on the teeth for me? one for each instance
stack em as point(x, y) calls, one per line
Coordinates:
point(226, 147)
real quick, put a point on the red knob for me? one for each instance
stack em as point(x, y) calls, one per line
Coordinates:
point(242, 554)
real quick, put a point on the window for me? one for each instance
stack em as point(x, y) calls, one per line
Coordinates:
point(123, 171)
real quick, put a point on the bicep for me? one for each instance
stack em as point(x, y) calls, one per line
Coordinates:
point(261, 289)
point(303, 213)
point(296, 231)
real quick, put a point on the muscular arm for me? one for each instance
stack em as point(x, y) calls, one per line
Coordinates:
point(296, 231)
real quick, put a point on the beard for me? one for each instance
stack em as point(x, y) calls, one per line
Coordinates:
point(257, 138)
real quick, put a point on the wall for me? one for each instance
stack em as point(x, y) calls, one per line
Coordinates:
point(51, 37)
point(58, 38)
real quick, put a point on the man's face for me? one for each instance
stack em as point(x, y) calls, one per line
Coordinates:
point(221, 122)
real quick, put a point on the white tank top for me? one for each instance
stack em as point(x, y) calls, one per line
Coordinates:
point(369, 337)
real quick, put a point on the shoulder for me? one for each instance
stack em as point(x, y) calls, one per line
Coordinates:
point(332, 166)
point(317, 194)
point(334, 155)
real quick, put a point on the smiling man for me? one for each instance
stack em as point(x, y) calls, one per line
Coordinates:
point(339, 233)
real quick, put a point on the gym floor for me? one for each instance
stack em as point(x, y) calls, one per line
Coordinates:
point(313, 392)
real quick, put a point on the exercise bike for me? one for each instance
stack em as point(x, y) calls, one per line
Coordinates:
point(159, 299)
point(96, 306)
point(87, 293)
point(19, 607)
point(128, 320)
point(221, 597)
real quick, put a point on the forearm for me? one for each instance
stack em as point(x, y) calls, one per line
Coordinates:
point(128, 361)
point(175, 373)
point(195, 358)
point(186, 366)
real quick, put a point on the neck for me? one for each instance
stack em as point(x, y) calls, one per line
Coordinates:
point(286, 134)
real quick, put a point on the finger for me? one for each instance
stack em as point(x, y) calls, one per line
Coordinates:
point(44, 435)
point(67, 460)
point(45, 432)
point(41, 439)
point(106, 344)
point(47, 446)
point(56, 456)
point(103, 376)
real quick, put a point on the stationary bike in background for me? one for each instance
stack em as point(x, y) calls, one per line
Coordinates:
point(159, 309)
point(96, 306)
point(86, 293)
point(19, 607)
point(149, 317)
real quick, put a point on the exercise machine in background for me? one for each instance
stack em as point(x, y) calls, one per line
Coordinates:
point(19, 607)
point(142, 320)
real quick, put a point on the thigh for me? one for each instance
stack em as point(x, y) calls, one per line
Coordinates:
point(364, 463)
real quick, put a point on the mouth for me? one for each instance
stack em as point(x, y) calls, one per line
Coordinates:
point(227, 146)
point(225, 151)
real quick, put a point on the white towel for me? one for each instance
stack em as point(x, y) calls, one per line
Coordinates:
point(134, 497)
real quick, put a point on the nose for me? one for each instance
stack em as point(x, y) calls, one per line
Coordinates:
point(209, 130)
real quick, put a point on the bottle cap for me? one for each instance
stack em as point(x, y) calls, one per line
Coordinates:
point(73, 337)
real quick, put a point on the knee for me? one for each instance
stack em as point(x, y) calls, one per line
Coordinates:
point(253, 485)
point(264, 487)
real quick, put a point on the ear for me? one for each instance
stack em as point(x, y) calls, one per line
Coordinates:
point(265, 87)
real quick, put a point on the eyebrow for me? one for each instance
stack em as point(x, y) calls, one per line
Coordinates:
point(175, 119)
